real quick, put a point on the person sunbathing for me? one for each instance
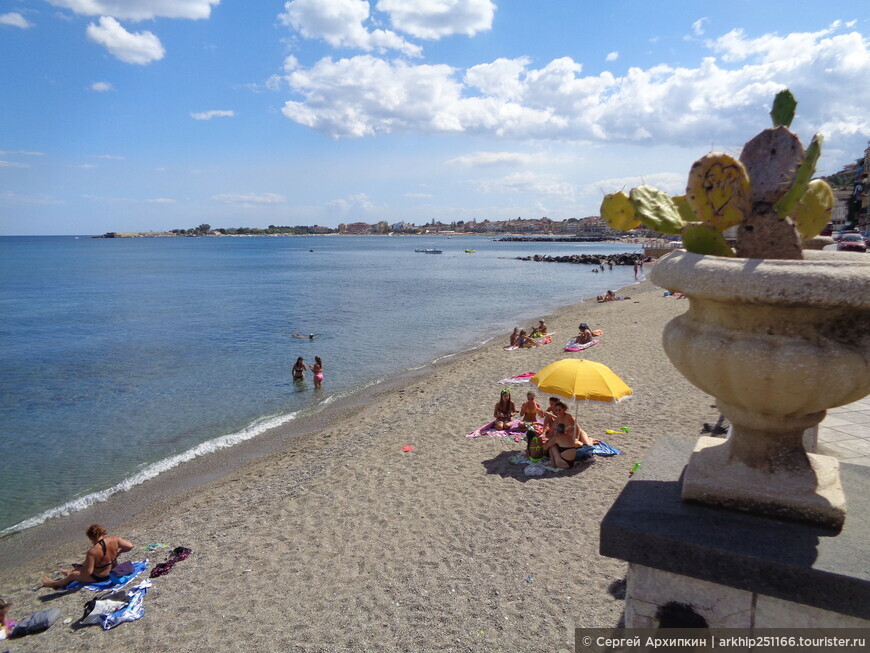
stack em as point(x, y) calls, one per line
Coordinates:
point(530, 410)
point(100, 559)
point(541, 328)
point(585, 335)
point(549, 416)
point(609, 296)
point(524, 341)
point(561, 415)
point(561, 447)
point(503, 415)
point(514, 337)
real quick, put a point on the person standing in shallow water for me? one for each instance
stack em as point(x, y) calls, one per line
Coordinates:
point(299, 369)
point(317, 368)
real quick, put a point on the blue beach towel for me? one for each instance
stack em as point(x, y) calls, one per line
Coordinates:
point(113, 581)
point(604, 449)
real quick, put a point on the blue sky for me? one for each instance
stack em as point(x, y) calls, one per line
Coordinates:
point(134, 115)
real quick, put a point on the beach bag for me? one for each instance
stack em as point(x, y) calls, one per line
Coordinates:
point(36, 623)
point(95, 608)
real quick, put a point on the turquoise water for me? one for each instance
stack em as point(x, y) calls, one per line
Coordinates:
point(171, 348)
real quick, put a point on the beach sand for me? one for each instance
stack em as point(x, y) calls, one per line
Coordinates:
point(340, 541)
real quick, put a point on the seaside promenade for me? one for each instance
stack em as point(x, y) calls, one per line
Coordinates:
point(845, 433)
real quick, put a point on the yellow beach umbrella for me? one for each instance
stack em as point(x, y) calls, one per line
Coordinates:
point(581, 379)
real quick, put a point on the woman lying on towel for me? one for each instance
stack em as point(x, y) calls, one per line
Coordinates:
point(100, 559)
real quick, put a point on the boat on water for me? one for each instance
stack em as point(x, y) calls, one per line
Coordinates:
point(430, 250)
point(470, 251)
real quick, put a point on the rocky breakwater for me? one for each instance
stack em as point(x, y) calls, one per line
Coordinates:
point(587, 259)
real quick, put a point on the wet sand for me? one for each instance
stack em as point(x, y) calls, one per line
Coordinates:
point(339, 541)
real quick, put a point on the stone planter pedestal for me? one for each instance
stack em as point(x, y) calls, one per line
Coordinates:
point(777, 343)
point(692, 565)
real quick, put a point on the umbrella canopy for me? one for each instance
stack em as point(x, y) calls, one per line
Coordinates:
point(582, 380)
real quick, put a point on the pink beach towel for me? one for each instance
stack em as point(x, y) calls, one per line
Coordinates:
point(573, 346)
point(519, 378)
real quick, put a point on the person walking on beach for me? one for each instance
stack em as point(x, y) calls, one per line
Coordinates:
point(504, 412)
point(100, 559)
point(635, 269)
point(317, 368)
point(299, 369)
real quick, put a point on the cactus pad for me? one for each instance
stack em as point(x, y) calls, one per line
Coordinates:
point(771, 160)
point(701, 238)
point(718, 190)
point(656, 210)
point(805, 172)
point(783, 109)
point(814, 209)
point(618, 212)
point(686, 212)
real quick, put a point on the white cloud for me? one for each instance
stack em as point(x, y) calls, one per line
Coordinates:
point(140, 48)
point(352, 204)
point(111, 157)
point(23, 152)
point(140, 9)
point(13, 164)
point(249, 199)
point(101, 87)
point(419, 196)
point(340, 23)
point(15, 19)
point(160, 200)
point(527, 183)
point(434, 20)
point(698, 26)
point(491, 159)
point(721, 102)
point(208, 115)
point(612, 56)
point(673, 183)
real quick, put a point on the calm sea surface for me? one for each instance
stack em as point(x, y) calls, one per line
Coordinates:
point(122, 358)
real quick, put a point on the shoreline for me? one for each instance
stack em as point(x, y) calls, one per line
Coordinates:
point(124, 504)
point(464, 530)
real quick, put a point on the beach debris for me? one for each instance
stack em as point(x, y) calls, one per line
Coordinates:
point(407, 448)
point(634, 469)
point(621, 429)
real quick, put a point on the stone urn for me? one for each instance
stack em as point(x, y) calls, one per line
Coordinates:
point(777, 343)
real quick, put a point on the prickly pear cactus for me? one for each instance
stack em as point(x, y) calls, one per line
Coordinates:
point(718, 191)
point(656, 210)
point(618, 211)
point(769, 194)
point(814, 209)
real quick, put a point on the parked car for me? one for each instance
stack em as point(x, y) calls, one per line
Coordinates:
point(853, 242)
point(828, 229)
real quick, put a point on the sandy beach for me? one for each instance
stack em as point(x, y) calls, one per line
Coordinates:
point(340, 541)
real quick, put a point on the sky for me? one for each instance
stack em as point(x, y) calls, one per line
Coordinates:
point(148, 115)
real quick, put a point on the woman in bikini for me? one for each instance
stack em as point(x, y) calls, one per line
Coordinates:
point(100, 559)
point(317, 368)
point(530, 410)
point(299, 369)
point(504, 412)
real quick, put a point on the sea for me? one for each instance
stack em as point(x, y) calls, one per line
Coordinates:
point(121, 359)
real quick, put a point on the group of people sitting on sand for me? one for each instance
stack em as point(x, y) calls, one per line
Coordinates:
point(558, 434)
point(526, 339)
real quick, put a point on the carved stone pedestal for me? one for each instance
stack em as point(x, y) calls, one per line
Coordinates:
point(697, 565)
